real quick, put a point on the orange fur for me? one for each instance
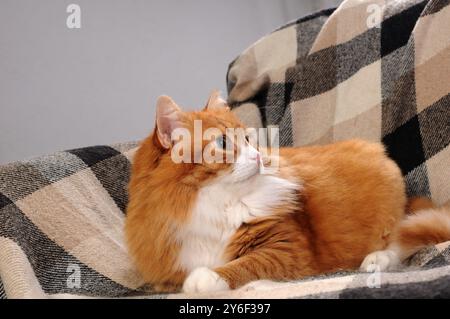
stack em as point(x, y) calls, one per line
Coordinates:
point(352, 202)
point(426, 225)
point(161, 195)
point(354, 196)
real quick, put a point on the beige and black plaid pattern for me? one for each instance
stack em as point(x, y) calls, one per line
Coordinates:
point(337, 75)
point(66, 210)
point(64, 213)
point(427, 278)
point(318, 78)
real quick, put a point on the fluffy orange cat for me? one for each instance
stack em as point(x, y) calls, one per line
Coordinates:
point(215, 226)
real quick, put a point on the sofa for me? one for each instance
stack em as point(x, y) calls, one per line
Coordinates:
point(377, 70)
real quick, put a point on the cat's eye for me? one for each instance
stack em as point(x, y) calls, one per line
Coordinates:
point(247, 138)
point(221, 141)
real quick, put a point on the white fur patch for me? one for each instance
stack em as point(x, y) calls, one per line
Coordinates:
point(380, 261)
point(221, 208)
point(204, 280)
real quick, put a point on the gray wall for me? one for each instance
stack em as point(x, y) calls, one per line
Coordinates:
point(63, 88)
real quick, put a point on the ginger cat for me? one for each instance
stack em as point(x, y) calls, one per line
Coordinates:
point(214, 226)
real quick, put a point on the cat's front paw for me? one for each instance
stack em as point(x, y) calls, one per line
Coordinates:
point(203, 279)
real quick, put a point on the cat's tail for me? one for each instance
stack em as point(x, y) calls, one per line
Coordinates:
point(425, 224)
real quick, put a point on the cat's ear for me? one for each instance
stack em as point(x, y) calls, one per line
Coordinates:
point(168, 117)
point(216, 101)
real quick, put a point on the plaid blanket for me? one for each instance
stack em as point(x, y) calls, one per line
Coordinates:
point(62, 215)
point(341, 74)
point(61, 236)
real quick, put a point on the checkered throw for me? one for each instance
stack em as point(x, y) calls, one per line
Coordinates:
point(62, 215)
point(339, 74)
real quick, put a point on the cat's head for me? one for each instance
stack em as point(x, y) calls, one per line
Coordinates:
point(204, 144)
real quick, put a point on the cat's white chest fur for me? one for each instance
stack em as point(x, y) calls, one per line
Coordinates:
point(220, 209)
